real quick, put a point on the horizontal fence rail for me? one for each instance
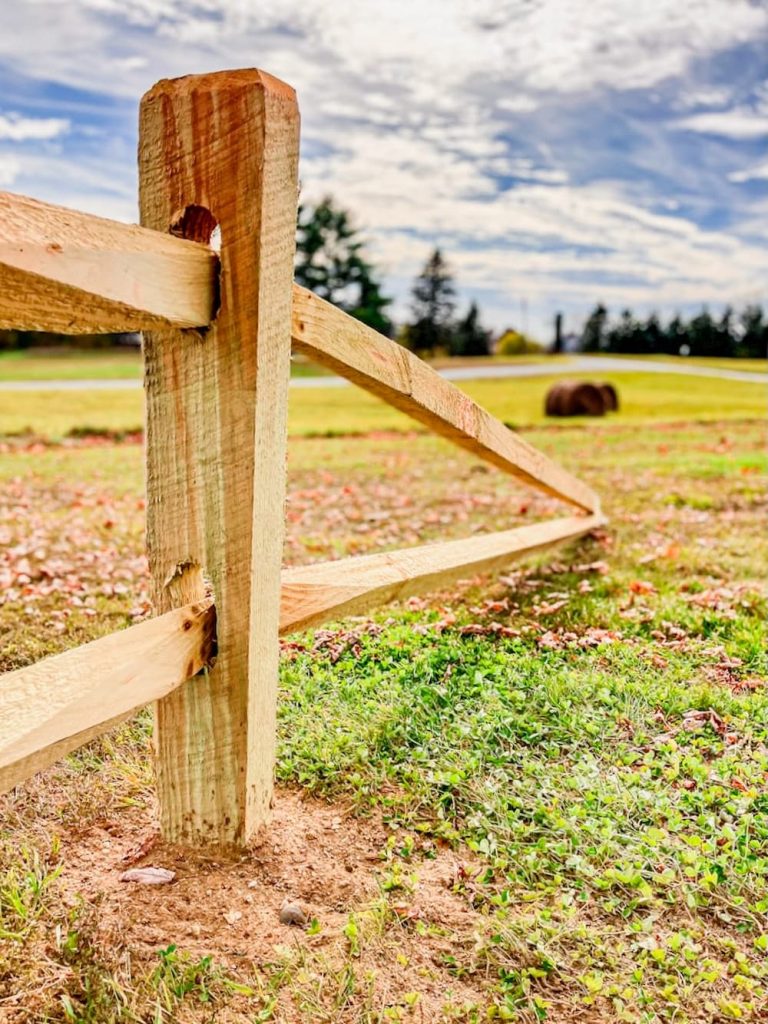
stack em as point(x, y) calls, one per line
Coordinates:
point(56, 705)
point(61, 270)
point(332, 338)
point(312, 594)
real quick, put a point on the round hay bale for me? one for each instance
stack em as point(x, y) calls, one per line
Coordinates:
point(610, 396)
point(553, 401)
point(574, 398)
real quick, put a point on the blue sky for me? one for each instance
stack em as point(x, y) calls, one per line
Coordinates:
point(560, 152)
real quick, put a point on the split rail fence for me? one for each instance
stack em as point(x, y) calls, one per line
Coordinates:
point(222, 150)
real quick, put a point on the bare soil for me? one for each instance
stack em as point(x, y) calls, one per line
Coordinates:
point(315, 854)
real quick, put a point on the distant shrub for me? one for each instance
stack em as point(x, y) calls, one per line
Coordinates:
point(514, 343)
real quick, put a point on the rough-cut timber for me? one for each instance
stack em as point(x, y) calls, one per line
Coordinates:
point(332, 338)
point(312, 594)
point(56, 705)
point(61, 270)
point(223, 148)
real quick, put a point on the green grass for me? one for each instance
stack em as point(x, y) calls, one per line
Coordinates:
point(721, 363)
point(70, 364)
point(346, 410)
point(62, 363)
point(588, 733)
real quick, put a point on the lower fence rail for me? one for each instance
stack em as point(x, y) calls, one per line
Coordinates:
point(312, 594)
point(51, 708)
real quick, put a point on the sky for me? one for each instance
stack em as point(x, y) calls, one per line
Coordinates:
point(560, 152)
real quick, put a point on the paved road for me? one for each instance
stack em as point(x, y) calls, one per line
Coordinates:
point(494, 371)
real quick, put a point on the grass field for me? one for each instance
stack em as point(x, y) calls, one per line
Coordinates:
point(125, 364)
point(749, 365)
point(536, 796)
point(346, 410)
point(70, 364)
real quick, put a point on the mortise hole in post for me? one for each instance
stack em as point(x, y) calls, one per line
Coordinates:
point(197, 224)
point(186, 583)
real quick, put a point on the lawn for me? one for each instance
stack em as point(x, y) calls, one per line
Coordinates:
point(62, 363)
point(717, 362)
point(537, 796)
point(347, 410)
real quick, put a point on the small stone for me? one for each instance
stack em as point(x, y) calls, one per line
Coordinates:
point(291, 913)
point(148, 876)
point(233, 916)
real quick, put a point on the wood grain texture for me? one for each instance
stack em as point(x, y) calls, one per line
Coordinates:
point(312, 594)
point(60, 703)
point(334, 339)
point(61, 270)
point(216, 436)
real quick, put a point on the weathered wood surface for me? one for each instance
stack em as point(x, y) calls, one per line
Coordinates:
point(311, 594)
point(61, 270)
point(58, 704)
point(332, 338)
point(216, 435)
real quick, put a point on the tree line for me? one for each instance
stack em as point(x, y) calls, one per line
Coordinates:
point(330, 261)
point(735, 335)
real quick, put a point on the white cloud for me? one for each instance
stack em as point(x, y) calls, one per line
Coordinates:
point(758, 173)
point(428, 49)
point(15, 128)
point(728, 124)
point(10, 169)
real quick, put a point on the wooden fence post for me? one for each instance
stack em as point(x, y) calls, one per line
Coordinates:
point(221, 149)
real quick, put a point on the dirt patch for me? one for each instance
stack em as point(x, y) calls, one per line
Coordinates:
point(307, 856)
point(396, 941)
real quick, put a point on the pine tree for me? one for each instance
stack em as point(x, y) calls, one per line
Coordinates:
point(593, 332)
point(726, 340)
point(432, 305)
point(753, 331)
point(330, 261)
point(470, 338)
point(626, 335)
point(675, 336)
point(703, 335)
point(653, 335)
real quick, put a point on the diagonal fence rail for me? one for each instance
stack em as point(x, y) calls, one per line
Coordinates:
point(221, 150)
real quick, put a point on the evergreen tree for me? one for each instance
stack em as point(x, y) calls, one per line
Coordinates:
point(469, 337)
point(703, 335)
point(557, 344)
point(675, 336)
point(726, 342)
point(753, 334)
point(653, 335)
point(625, 336)
point(371, 306)
point(432, 305)
point(593, 333)
point(330, 261)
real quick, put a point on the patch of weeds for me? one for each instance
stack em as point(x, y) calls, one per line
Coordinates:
point(23, 887)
